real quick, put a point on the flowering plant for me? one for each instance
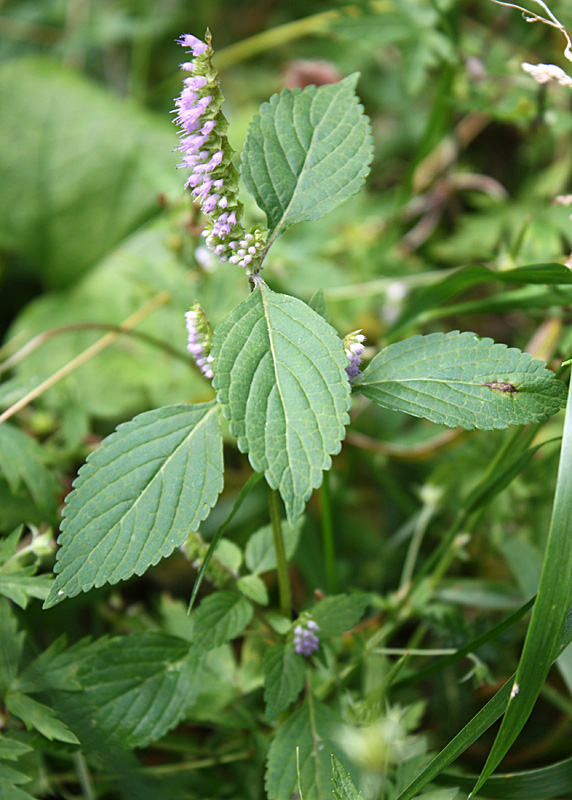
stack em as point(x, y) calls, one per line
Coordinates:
point(284, 380)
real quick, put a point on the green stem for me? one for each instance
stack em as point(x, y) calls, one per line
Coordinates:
point(328, 537)
point(281, 563)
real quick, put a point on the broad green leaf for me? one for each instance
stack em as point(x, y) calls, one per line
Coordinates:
point(254, 588)
point(103, 164)
point(280, 378)
point(432, 298)
point(220, 617)
point(344, 788)
point(549, 613)
point(259, 554)
point(336, 615)
point(137, 687)
point(11, 649)
point(136, 498)
point(314, 729)
point(21, 462)
point(307, 152)
point(39, 717)
point(284, 672)
point(457, 379)
point(55, 668)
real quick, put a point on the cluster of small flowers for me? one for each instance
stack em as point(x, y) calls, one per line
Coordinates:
point(354, 346)
point(199, 339)
point(206, 152)
point(306, 640)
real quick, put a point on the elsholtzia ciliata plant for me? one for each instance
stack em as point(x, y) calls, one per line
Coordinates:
point(284, 379)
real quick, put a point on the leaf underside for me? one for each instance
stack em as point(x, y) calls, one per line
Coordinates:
point(281, 381)
point(457, 379)
point(307, 152)
point(137, 497)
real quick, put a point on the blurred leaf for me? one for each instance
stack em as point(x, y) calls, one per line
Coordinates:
point(551, 781)
point(259, 554)
point(137, 497)
point(80, 168)
point(315, 145)
point(338, 614)
point(284, 672)
point(21, 462)
point(12, 644)
point(55, 668)
point(254, 588)
point(276, 364)
point(457, 379)
point(19, 583)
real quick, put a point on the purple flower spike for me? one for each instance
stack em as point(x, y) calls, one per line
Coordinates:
point(199, 339)
point(306, 640)
point(354, 347)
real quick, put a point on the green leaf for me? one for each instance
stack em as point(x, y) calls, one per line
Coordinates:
point(136, 498)
point(314, 729)
point(284, 672)
point(318, 304)
point(12, 644)
point(137, 687)
point(108, 162)
point(254, 588)
point(39, 717)
point(280, 378)
point(552, 781)
point(21, 462)
point(336, 615)
point(548, 616)
point(55, 668)
point(307, 152)
point(219, 618)
point(343, 785)
point(19, 583)
point(260, 555)
point(11, 749)
point(457, 379)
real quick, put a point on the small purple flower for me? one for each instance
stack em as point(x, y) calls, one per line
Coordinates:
point(354, 347)
point(306, 640)
point(195, 45)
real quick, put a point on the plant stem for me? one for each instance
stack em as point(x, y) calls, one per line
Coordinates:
point(328, 537)
point(281, 564)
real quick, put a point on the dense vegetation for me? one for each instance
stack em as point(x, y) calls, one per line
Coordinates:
point(371, 636)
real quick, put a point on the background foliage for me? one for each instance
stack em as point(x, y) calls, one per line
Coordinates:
point(439, 534)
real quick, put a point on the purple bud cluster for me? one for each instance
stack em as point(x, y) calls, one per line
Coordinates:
point(213, 179)
point(306, 640)
point(354, 347)
point(199, 340)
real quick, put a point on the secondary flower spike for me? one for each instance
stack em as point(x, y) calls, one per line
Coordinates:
point(199, 339)
point(354, 346)
point(213, 179)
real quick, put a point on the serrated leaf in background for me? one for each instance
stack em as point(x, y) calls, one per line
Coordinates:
point(219, 618)
point(459, 380)
point(280, 378)
point(12, 643)
point(284, 672)
point(104, 164)
point(21, 463)
point(259, 554)
point(338, 614)
point(136, 498)
point(314, 729)
point(137, 687)
point(306, 152)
